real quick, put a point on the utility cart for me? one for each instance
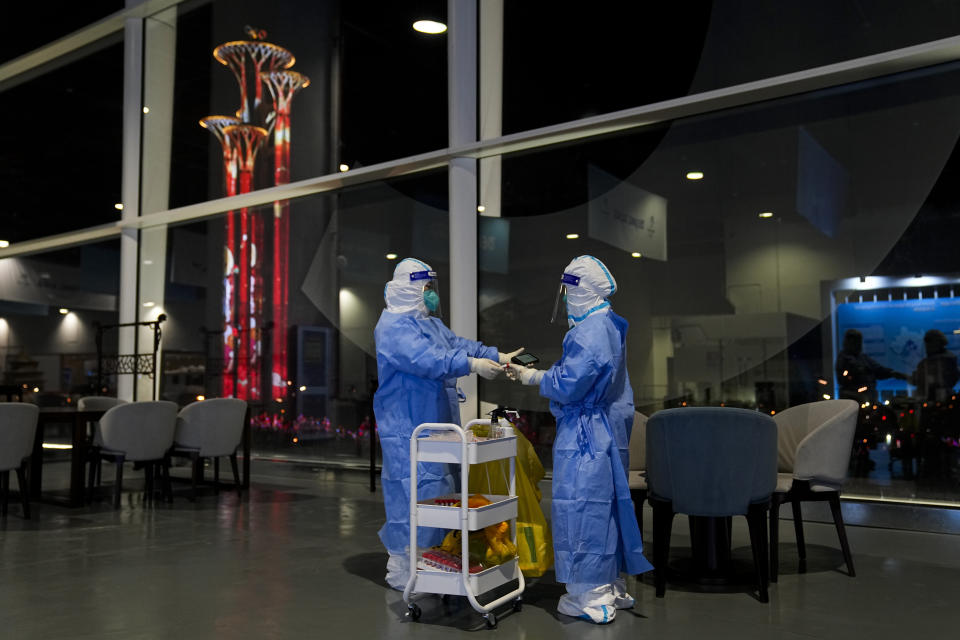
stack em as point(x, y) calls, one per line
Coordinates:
point(449, 443)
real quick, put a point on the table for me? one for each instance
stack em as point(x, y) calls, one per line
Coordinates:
point(79, 453)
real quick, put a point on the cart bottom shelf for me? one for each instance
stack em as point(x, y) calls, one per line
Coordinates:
point(450, 583)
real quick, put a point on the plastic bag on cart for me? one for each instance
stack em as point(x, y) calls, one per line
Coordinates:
point(534, 540)
point(489, 547)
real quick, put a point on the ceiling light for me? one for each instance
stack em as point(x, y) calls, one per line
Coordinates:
point(4, 244)
point(573, 236)
point(391, 256)
point(344, 167)
point(636, 254)
point(148, 262)
point(64, 311)
point(766, 214)
point(481, 208)
point(146, 109)
point(429, 26)
point(148, 304)
point(303, 388)
point(118, 206)
point(695, 175)
point(201, 398)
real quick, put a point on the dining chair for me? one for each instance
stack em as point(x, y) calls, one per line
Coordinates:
point(210, 429)
point(18, 429)
point(139, 432)
point(712, 462)
point(637, 473)
point(813, 454)
point(96, 403)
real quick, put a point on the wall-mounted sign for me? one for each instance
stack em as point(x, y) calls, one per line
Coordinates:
point(626, 216)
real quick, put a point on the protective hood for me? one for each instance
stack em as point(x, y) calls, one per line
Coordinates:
point(590, 294)
point(403, 295)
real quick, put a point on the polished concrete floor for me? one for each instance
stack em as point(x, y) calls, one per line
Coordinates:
point(299, 558)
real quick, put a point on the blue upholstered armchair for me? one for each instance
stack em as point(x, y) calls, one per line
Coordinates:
point(713, 462)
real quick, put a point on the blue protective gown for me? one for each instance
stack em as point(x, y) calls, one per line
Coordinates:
point(418, 362)
point(621, 419)
point(595, 532)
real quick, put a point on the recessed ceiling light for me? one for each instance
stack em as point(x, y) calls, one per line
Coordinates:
point(573, 236)
point(766, 214)
point(4, 244)
point(344, 167)
point(636, 254)
point(64, 311)
point(481, 208)
point(429, 26)
point(118, 206)
point(148, 262)
point(146, 109)
point(391, 256)
point(148, 304)
point(303, 387)
point(695, 175)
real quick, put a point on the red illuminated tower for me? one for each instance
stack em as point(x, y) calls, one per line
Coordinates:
point(283, 85)
point(245, 140)
point(216, 125)
point(263, 57)
point(244, 296)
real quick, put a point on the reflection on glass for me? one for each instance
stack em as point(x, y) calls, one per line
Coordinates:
point(51, 308)
point(818, 214)
point(338, 264)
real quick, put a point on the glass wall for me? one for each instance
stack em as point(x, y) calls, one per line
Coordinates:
point(60, 19)
point(747, 243)
point(338, 80)
point(297, 341)
point(52, 306)
point(60, 146)
point(619, 55)
point(738, 241)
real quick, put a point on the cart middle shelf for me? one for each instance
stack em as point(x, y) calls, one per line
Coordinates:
point(430, 514)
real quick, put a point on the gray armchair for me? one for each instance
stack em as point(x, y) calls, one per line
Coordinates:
point(637, 473)
point(711, 462)
point(210, 429)
point(812, 459)
point(96, 403)
point(18, 428)
point(139, 432)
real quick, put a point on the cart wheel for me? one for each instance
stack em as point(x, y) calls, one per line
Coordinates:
point(491, 620)
point(414, 612)
point(518, 604)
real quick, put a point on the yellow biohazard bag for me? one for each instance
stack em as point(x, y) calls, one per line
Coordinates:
point(534, 541)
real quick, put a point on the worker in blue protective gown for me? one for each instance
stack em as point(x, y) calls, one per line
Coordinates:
point(418, 362)
point(595, 532)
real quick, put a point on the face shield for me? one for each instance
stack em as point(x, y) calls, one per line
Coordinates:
point(430, 291)
point(560, 303)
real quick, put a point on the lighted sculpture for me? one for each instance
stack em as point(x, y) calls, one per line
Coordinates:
point(246, 139)
point(283, 86)
point(254, 63)
point(263, 56)
point(216, 125)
